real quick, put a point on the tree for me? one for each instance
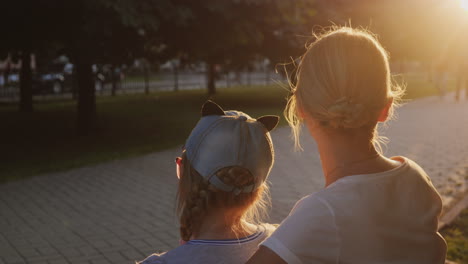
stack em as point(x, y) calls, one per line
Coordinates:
point(88, 31)
point(235, 31)
point(118, 31)
point(32, 33)
point(104, 32)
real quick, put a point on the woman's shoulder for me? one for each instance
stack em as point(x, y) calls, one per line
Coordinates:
point(313, 204)
point(413, 168)
point(267, 229)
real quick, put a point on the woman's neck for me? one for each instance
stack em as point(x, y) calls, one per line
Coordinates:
point(223, 226)
point(344, 155)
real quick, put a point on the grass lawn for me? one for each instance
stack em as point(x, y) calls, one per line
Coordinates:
point(129, 125)
point(456, 236)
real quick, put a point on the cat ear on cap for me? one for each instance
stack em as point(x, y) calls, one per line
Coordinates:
point(269, 121)
point(211, 108)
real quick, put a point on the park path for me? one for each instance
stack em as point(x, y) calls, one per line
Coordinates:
point(121, 211)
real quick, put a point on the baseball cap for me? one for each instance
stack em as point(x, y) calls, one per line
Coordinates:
point(231, 138)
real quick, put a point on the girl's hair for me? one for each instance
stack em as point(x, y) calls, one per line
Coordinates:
point(343, 81)
point(196, 196)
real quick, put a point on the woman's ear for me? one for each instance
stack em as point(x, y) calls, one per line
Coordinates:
point(385, 111)
point(300, 112)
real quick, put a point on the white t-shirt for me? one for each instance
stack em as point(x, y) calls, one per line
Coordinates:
point(387, 217)
point(226, 251)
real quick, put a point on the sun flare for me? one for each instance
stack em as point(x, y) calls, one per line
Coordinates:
point(464, 4)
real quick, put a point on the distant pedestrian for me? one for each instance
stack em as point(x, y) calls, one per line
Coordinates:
point(440, 77)
point(222, 190)
point(461, 79)
point(373, 209)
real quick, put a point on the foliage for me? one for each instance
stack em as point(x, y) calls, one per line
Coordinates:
point(228, 32)
point(456, 236)
point(106, 32)
point(219, 30)
point(36, 25)
point(235, 32)
point(423, 30)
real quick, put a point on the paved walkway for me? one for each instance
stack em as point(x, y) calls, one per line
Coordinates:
point(121, 211)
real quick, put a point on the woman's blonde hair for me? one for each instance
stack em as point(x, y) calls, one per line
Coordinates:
point(343, 82)
point(196, 196)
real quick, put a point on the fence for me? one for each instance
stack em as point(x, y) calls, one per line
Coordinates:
point(141, 83)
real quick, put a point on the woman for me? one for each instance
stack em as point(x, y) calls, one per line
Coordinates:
point(373, 209)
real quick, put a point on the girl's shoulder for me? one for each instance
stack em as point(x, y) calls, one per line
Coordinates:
point(214, 251)
point(154, 259)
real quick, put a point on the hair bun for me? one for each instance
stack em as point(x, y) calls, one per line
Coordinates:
point(344, 113)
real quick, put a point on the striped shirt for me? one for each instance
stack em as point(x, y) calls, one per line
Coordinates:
point(229, 251)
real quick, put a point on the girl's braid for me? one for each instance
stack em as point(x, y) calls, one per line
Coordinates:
point(202, 195)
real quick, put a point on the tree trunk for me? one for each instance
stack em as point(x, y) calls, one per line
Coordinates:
point(26, 98)
point(74, 83)
point(86, 120)
point(211, 78)
point(146, 73)
point(176, 78)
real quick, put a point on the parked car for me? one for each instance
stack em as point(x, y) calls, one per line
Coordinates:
point(48, 83)
point(13, 78)
point(55, 78)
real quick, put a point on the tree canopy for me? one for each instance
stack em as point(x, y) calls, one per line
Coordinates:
point(234, 31)
point(225, 32)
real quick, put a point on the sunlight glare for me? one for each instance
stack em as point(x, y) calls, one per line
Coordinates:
point(464, 4)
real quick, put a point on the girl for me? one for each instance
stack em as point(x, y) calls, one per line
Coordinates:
point(222, 191)
point(373, 209)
